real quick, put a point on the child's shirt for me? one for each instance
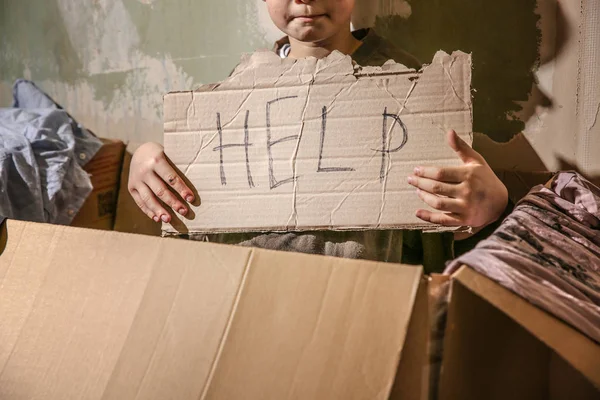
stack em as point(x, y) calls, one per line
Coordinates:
point(409, 247)
point(374, 51)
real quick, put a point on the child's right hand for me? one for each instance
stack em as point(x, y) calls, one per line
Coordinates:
point(151, 177)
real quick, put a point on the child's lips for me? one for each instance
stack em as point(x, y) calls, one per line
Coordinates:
point(308, 18)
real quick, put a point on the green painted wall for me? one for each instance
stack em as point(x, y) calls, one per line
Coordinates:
point(110, 61)
point(503, 37)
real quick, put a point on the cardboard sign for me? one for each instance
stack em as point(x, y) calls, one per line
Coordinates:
point(315, 144)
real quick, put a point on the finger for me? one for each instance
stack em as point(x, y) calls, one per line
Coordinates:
point(441, 203)
point(149, 200)
point(445, 174)
point(462, 149)
point(138, 201)
point(439, 218)
point(435, 187)
point(168, 174)
point(163, 192)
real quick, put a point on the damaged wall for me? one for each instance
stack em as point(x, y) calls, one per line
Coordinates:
point(110, 61)
point(503, 59)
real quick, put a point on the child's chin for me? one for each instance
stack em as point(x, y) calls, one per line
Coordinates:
point(309, 34)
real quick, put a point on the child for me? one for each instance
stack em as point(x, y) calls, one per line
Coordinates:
point(468, 195)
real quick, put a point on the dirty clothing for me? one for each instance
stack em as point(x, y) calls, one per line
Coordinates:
point(42, 154)
point(548, 251)
point(431, 250)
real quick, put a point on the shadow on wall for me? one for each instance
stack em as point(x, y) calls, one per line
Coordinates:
point(505, 39)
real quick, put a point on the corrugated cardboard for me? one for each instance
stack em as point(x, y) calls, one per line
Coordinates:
point(315, 144)
point(130, 218)
point(100, 208)
point(417, 375)
point(498, 346)
point(88, 314)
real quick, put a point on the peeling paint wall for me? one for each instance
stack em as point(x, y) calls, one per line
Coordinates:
point(109, 62)
point(503, 37)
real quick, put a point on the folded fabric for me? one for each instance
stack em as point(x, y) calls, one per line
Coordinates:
point(548, 251)
point(42, 154)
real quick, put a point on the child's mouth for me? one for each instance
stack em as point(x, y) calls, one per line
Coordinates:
point(309, 18)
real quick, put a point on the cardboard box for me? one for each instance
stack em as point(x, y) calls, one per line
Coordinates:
point(89, 314)
point(99, 210)
point(130, 218)
point(315, 144)
point(499, 346)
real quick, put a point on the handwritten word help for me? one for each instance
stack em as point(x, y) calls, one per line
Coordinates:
point(390, 123)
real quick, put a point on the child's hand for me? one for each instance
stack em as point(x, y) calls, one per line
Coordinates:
point(152, 177)
point(469, 195)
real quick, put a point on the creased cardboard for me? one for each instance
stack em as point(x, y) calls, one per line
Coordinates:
point(499, 346)
point(87, 314)
point(315, 144)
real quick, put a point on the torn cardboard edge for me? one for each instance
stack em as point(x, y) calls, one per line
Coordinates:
point(304, 99)
point(181, 230)
point(337, 61)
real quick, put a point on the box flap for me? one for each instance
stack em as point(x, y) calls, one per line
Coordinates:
point(315, 144)
point(322, 329)
point(89, 312)
point(577, 349)
point(105, 315)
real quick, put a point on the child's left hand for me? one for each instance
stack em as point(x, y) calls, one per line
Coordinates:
point(468, 195)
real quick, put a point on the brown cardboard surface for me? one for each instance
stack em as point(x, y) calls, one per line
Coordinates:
point(104, 315)
point(498, 346)
point(519, 183)
point(130, 218)
point(438, 297)
point(412, 376)
point(100, 208)
point(315, 144)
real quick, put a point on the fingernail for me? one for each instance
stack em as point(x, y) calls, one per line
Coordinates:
point(189, 199)
point(164, 218)
point(182, 211)
point(410, 180)
point(417, 171)
point(155, 218)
